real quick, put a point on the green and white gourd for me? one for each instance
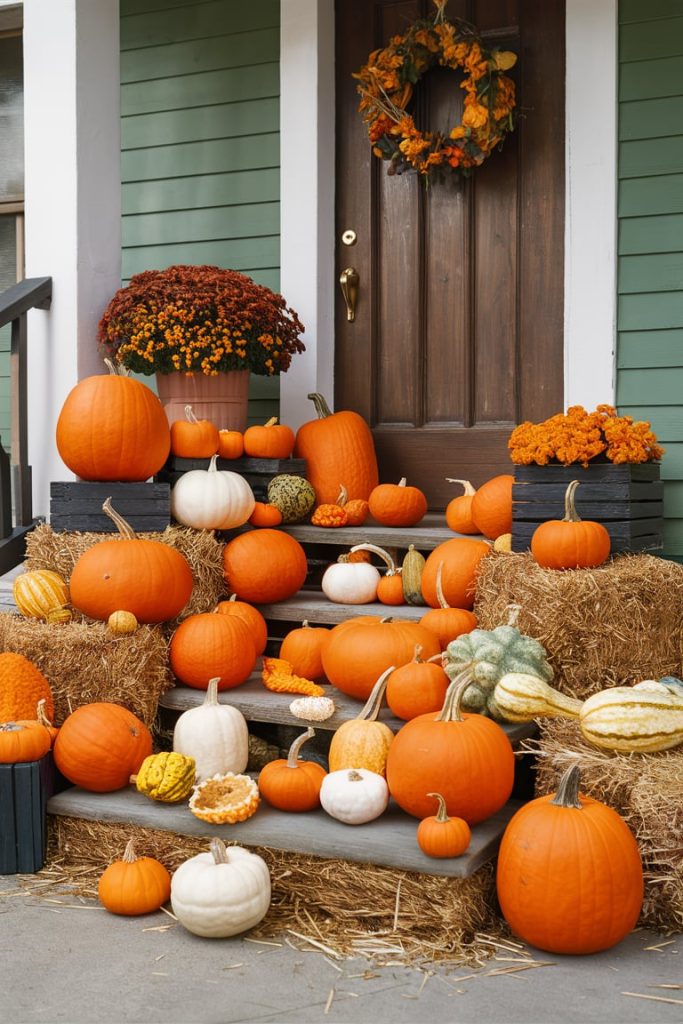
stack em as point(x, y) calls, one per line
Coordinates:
point(488, 654)
point(292, 495)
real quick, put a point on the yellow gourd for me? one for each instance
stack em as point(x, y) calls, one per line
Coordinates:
point(363, 742)
point(166, 777)
point(646, 717)
point(520, 697)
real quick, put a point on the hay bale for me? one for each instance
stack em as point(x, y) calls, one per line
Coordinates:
point(646, 789)
point(609, 626)
point(352, 909)
point(48, 549)
point(85, 663)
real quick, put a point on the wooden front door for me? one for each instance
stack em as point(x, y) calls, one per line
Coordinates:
point(458, 332)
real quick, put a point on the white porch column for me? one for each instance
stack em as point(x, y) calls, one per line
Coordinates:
point(591, 203)
point(307, 197)
point(73, 204)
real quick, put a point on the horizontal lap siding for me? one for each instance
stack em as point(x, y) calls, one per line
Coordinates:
point(650, 212)
point(200, 143)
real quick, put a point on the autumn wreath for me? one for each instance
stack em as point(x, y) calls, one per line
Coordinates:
point(386, 85)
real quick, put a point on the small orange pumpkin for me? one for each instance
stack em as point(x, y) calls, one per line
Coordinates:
point(230, 444)
point(570, 543)
point(273, 440)
point(252, 616)
point(492, 506)
point(134, 885)
point(418, 687)
point(302, 648)
point(447, 622)
point(357, 509)
point(397, 504)
point(264, 566)
point(390, 586)
point(441, 836)
point(292, 785)
point(207, 646)
point(459, 510)
point(265, 515)
point(192, 438)
point(23, 741)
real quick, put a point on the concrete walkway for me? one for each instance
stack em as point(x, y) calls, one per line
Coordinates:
point(77, 963)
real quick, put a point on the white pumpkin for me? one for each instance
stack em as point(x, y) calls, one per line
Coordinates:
point(354, 795)
point(212, 499)
point(215, 735)
point(351, 583)
point(222, 892)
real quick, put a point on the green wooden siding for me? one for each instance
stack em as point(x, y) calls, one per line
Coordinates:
point(200, 143)
point(650, 249)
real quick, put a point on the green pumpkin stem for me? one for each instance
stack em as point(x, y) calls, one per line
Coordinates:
point(442, 814)
point(129, 854)
point(568, 790)
point(293, 755)
point(570, 513)
point(321, 407)
point(124, 528)
point(374, 701)
point(218, 851)
point(450, 712)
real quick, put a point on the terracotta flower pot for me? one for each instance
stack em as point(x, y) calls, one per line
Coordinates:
point(222, 399)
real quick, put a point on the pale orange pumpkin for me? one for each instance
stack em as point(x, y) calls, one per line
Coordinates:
point(363, 742)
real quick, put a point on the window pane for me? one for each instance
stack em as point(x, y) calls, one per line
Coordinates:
point(11, 119)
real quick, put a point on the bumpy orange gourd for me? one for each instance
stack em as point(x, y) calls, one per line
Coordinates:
point(492, 506)
point(329, 516)
point(100, 746)
point(459, 509)
point(446, 622)
point(302, 648)
point(192, 438)
point(38, 592)
point(278, 675)
point(363, 742)
point(134, 885)
point(273, 440)
point(252, 616)
point(264, 566)
point(23, 741)
point(208, 646)
point(466, 758)
point(265, 515)
point(441, 836)
point(112, 427)
point(460, 557)
point(570, 543)
point(569, 877)
point(397, 504)
point(146, 577)
point(417, 688)
point(337, 444)
point(230, 444)
point(22, 685)
point(291, 784)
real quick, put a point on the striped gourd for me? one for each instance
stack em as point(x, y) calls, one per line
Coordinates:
point(520, 698)
point(646, 718)
point(411, 576)
point(38, 592)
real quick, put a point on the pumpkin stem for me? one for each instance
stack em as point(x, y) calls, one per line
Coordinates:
point(469, 489)
point(570, 514)
point(129, 855)
point(513, 614)
point(40, 714)
point(450, 712)
point(271, 422)
point(212, 468)
point(189, 415)
point(381, 553)
point(124, 528)
point(387, 618)
point(233, 597)
point(442, 813)
point(293, 755)
point(443, 603)
point(568, 790)
point(343, 496)
point(354, 776)
point(211, 699)
point(441, 656)
point(417, 653)
point(374, 701)
point(12, 727)
point(402, 482)
point(117, 369)
point(321, 407)
point(218, 851)
point(306, 624)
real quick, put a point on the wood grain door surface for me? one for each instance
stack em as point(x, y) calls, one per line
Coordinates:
point(458, 333)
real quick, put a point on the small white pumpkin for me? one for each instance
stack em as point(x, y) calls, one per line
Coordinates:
point(215, 735)
point(222, 892)
point(354, 795)
point(351, 583)
point(212, 499)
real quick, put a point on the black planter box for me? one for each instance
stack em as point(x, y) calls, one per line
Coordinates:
point(77, 505)
point(626, 499)
point(24, 792)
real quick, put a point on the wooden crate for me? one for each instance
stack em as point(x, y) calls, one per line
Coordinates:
point(257, 472)
point(626, 499)
point(77, 505)
point(24, 792)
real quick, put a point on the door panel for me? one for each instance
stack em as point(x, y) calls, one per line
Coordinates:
point(458, 329)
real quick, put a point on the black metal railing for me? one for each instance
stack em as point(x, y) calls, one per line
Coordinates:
point(15, 472)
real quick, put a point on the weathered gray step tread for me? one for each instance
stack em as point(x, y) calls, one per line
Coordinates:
point(315, 607)
point(430, 532)
point(258, 704)
point(388, 841)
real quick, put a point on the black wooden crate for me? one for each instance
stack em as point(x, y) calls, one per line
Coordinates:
point(626, 499)
point(257, 472)
point(77, 505)
point(24, 792)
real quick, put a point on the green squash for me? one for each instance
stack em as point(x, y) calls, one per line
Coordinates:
point(292, 495)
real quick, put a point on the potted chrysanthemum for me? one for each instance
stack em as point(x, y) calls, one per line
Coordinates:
point(202, 330)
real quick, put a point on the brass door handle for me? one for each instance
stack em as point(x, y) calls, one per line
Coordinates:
point(348, 279)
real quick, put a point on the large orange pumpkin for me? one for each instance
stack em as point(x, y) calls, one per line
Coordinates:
point(252, 616)
point(100, 746)
point(492, 506)
point(209, 646)
point(264, 566)
point(460, 557)
point(360, 649)
point(570, 878)
point(338, 447)
point(150, 579)
point(22, 686)
point(112, 427)
point(466, 758)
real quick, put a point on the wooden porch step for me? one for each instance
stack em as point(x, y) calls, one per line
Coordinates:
point(388, 841)
point(315, 607)
point(260, 705)
point(428, 534)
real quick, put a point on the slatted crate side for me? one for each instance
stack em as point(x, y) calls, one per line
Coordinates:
point(77, 505)
point(24, 792)
point(596, 471)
